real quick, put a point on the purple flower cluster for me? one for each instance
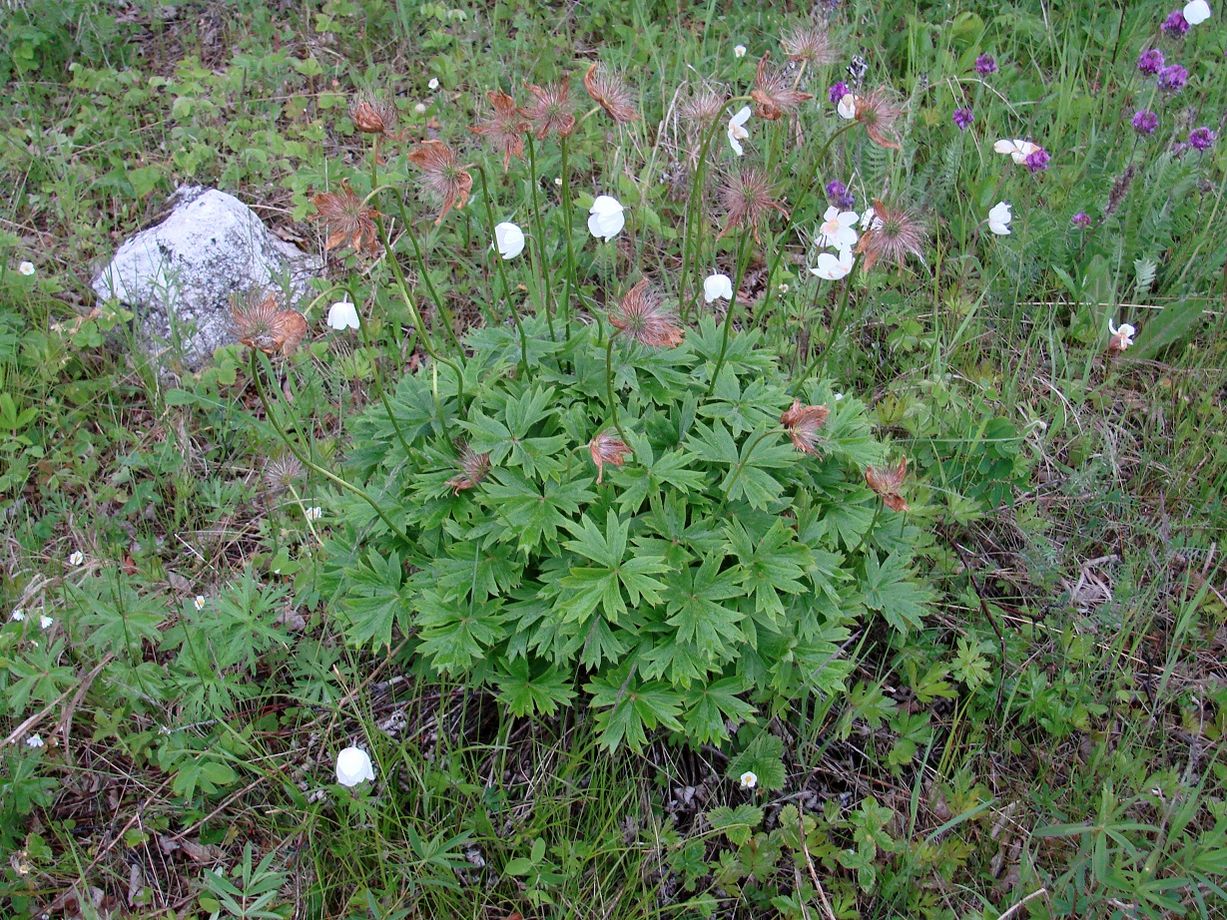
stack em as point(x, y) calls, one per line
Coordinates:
point(986, 64)
point(1081, 220)
point(1037, 160)
point(1175, 24)
point(1201, 138)
point(839, 195)
point(838, 91)
point(1145, 121)
point(1150, 61)
point(963, 118)
point(1173, 78)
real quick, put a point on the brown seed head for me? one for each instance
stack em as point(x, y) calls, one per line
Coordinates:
point(549, 112)
point(473, 469)
point(773, 93)
point(442, 175)
point(609, 92)
point(347, 220)
point(642, 316)
point(803, 423)
point(895, 232)
point(282, 472)
point(810, 45)
point(887, 483)
point(748, 198)
point(605, 448)
point(259, 322)
point(372, 116)
point(703, 107)
point(505, 128)
point(879, 111)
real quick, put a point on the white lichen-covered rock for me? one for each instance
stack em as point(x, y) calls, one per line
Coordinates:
point(179, 278)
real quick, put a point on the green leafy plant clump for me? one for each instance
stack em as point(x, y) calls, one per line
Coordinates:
point(711, 577)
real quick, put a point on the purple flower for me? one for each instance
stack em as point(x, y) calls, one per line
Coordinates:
point(838, 91)
point(1037, 160)
point(1201, 138)
point(986, 64)
point(839, 195)
point(1145, 121)
point(963, 118)
point(1172, 78)
point(1150, 61)
point(1175, 24)
point(1081, 220)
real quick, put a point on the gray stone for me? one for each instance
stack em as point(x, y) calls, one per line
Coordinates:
point(180, 277)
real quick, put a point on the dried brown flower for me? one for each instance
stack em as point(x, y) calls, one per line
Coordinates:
point(261, 323)
point(372, 116)
point(879, 111)
point(347, 220)
point(549, 112)
point(773, 93)
point(887, 483)
point(473, 469)
point(748, 198)
point(703, 107)
point(811, 45)
point(605, 448)
point(643, 317)
point(803, 423)
point(893, 233)
point(282, 472)
point(442, 175)
point(505, 129)
point(608, 90)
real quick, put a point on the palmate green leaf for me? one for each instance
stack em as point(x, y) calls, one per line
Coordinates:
point(456, 632)
point(741, 409)
point(629, 708)
point(763, 757)
point(768, 565)
point(528, 689)
point(683, 663)
point(468, 570)
point(891, 590)
point(534, 513)
point(737, 824)
point(603, 584)
point(709, 707)
point(747, 477)
point(376, 602)
point(692, 605)
point(649, 476)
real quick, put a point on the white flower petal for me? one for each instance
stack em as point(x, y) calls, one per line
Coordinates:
point(999, 218)
point(748, 780)
point(343, 315)
point(44, 622)
point(739, 51)
point(832, 268)
point(717, 286)
point(354, 766)
point(846, 107)
point(26, 268)
point(434, 83)
point(509, 239)
point(1196, 12)
point(34, 741)
point(606, 218)
point(76, 558)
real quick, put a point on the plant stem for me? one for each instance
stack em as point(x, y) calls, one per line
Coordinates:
point(502, 271)
point(609, 387)
point(306, 460)
point(566, 211)
point(539, 232)
point(837, 321)
point(742, 259)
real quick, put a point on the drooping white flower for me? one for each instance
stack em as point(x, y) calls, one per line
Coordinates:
point(26, 268)
point(314, 513)
point(999, 218)
point(17, 615)
point(76, 558)
point(846, 107)
point(1196, 12)
point(832, 268)
point(354, 766)
point(605, 217)
point(748, 780)
point(717, 286)
point(44, 622)
point(199, 602)
point(509, 239)
point(1122, 336)
point(34, 741)
point(838, 228)
point(434, 83)
point(737, 131)
point(342, 315)
point(1018, 149)
point(739, 51)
